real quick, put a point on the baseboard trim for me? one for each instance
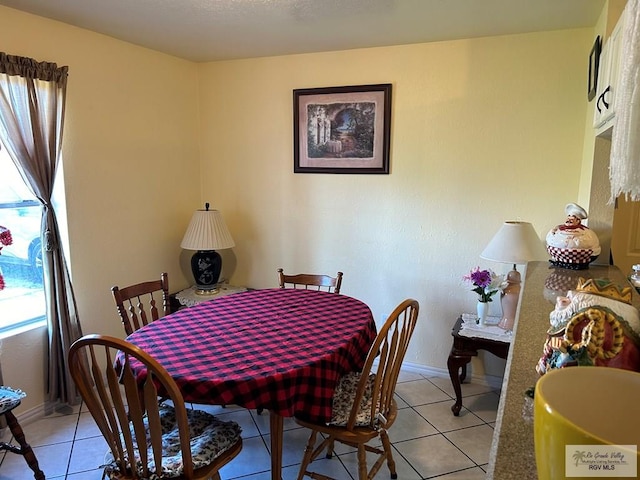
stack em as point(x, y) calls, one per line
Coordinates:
point(43, 410)
point(25, 418)
point(31, 415)
point(39, 411)
point(490, 380)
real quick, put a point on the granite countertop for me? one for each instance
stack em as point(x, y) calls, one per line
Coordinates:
point(512, 453)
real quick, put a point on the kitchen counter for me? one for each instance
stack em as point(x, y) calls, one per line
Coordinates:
point(512, 453)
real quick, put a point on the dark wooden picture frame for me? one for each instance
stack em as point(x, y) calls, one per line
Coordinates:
point(594, 66)
point(342, 129)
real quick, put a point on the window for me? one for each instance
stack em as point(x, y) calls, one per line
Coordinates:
point(22, 300)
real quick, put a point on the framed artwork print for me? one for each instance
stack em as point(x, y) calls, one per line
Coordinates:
point(594, 63)
point(342, 129)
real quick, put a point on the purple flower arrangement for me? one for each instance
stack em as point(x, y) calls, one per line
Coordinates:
point(485, 282)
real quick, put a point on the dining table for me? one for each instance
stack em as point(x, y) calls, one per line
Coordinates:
point(282, 350)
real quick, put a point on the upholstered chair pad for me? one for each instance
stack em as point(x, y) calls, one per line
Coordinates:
point(10, 398)
point(210, 437)
point(343, 398)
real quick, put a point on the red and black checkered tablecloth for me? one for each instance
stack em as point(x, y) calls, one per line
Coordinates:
point(281, 349)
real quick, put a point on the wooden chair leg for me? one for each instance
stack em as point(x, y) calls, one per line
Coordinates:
point(308, 452)
point(330, 449)
point(386, 444)
point(25, 449)
point(362, 462)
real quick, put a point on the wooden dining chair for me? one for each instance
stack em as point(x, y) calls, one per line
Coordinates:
point(363, 403)
point(11, 398)
point(147, 439)
point(306, 280)
point(139, 304)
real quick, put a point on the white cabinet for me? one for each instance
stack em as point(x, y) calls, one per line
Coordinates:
point(608, 75)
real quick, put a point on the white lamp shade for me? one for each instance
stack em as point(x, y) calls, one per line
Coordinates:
point(516, 243)
point(207, 231)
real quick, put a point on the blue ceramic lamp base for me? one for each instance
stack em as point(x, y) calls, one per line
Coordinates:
point(206, 266)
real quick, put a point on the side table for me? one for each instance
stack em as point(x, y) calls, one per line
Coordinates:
point(188, 297)
point(10, 399)
point(461, 352)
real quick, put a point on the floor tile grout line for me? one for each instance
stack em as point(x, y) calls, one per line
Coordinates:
point(73, 442)
point(443, 434)
point(404, 458)
point(461, 451)
point(264, 436)
point(440, 475)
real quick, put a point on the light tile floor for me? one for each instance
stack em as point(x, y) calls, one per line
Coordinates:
point(428, 441)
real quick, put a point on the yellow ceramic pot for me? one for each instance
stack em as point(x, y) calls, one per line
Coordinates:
point(587, 423)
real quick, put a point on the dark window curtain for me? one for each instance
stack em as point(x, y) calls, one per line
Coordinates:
point(32, 104)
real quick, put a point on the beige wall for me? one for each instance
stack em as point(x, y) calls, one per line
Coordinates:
point(483, 131)
point(131, 168)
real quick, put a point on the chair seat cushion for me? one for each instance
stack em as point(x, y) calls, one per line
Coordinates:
point(343, 399)
point(209, 438)
point(10, 398)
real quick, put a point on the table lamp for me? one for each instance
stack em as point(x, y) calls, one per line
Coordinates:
point(515, 242)
point(206, 233)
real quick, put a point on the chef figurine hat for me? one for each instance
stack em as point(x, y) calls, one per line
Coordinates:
point(575, 210)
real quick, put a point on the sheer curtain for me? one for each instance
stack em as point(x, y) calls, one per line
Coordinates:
point(624, 169)
point(32, 104)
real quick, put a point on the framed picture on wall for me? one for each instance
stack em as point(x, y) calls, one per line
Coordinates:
point(342, 129)
point(594, 64)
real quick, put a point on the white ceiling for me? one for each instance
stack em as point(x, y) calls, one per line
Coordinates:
point(210, 30)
